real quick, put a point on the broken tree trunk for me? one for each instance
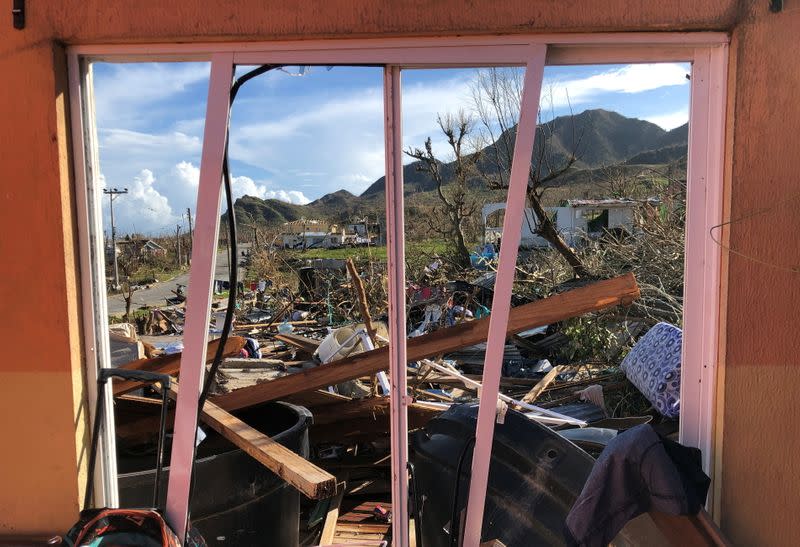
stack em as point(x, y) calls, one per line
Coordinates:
point(171, 364)
point(309, 479)
point(363, 304)
point(590, 298)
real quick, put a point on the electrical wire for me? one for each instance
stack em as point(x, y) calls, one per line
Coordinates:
point(233, 270)
point(232, 258)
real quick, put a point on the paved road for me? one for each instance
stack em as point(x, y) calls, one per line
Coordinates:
point(158, 292)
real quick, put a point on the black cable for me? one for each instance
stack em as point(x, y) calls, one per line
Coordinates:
point(233, 272)
point(233, 251)
point(455, 522)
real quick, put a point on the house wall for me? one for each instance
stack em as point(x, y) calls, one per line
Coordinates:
point(41, 381)
point(761, 349)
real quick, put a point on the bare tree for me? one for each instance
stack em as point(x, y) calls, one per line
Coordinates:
point(129, 263)
point(618, 182)
point(496, 96)
point(456, 204)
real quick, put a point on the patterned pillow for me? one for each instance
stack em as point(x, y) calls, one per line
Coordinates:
point(654, 367)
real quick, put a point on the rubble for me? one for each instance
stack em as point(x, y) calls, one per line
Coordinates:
point(323, 344)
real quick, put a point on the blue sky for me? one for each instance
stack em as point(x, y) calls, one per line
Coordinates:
point(297, 137)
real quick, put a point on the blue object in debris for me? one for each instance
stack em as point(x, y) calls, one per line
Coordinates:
point(654, 367)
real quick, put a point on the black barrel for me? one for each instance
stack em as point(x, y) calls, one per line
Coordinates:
point(535, 475)
point(236, 501)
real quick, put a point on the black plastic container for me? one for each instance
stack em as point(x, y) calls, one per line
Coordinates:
point(535, 476)
point(236, 500)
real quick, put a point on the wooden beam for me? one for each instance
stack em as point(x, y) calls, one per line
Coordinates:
point(171, 364)
point(537, 390)
point(309, 479)
point(329, 528)
point(275, 324)
point(308, 345)
point(597, 296)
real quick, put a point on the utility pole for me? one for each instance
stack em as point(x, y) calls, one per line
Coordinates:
point(191, 234)
point(113, 193)
point(178, 243)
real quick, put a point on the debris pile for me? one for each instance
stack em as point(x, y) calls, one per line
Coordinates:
point(320, 341)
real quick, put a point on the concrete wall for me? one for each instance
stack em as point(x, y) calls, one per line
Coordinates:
point(41, 385)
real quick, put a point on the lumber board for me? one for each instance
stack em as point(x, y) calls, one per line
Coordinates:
point(314, 482)
point(597, 296)
point(537, 390)
point(331, 518)
point(171, 364)
point(308, 345)
point(275, 324)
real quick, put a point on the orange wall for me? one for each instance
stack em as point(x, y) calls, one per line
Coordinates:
point(761, 440)
point(41, 387)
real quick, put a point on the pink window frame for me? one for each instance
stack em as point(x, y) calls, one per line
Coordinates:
point(705, 50)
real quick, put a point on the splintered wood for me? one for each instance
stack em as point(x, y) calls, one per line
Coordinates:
point(597, 296)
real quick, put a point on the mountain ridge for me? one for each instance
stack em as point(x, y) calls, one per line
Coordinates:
point(599, 137)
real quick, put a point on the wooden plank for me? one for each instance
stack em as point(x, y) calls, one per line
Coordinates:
point(309, 479)
point(308, 345)
point(331, 518)
point(171, 364)
point(597, 296)
point(247, 363)
point(274, 324)
point(537, 390)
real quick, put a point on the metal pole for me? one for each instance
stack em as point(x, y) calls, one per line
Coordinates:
point(112, 193)
point(191, 235)
point(178, 244)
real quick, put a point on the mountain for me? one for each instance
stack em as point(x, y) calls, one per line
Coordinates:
point(599, 138)
point(253, 210)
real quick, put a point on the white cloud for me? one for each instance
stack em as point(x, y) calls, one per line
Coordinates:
point(245, 186)
point(124, 91)
point(671, 120)
point(139, 142)
point(291, 196)
point(188, 174)
point(143, 208)
point(626, 79)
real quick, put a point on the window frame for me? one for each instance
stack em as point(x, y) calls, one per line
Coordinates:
point(706, 51)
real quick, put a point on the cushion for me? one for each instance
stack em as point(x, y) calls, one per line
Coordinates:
point(654, 367)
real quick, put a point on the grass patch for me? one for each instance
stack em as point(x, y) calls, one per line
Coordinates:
point(413, 248)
